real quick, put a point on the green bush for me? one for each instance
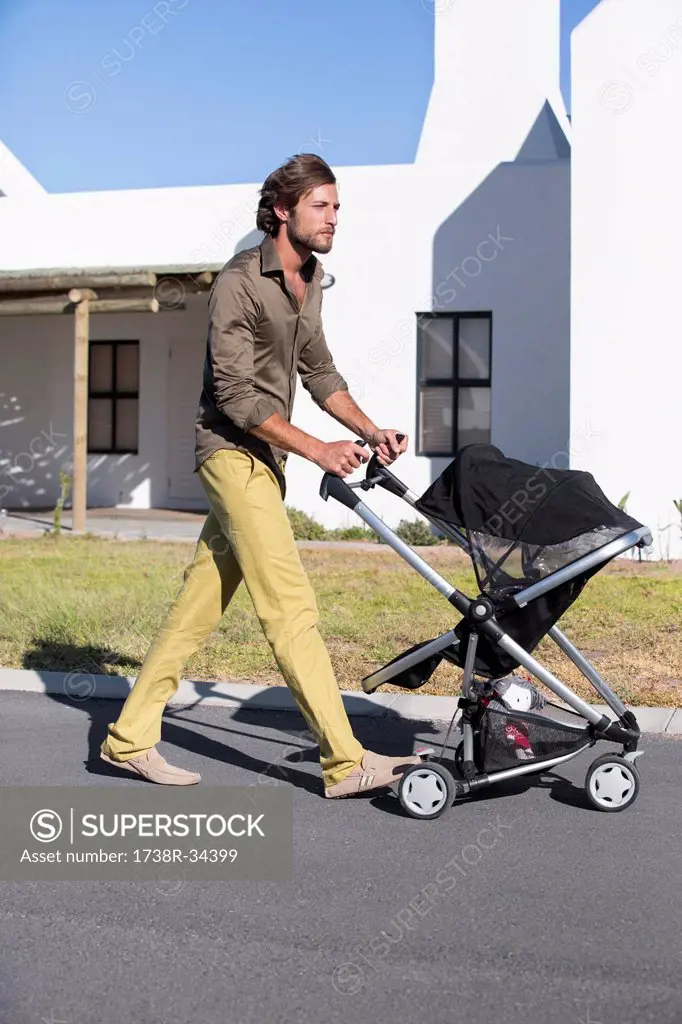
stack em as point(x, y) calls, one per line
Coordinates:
point(304, 526)
point(352, 533)
point(307, 528)
point(415, 532)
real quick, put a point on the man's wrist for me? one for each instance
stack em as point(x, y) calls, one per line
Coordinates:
point(369, 434)
point(313, 450)
point(343, 408)
point(282, 434)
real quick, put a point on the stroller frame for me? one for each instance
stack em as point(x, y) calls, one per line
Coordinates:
point(480, 615)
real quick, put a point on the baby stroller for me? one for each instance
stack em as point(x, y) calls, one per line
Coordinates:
point(535, 537)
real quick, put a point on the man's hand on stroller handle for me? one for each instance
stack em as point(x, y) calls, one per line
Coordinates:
point(343, 457)
point(388, 445)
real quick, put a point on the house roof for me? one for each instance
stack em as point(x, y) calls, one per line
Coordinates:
point(162, 229)
point(15, 179)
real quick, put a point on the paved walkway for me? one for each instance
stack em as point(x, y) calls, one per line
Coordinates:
point(136, 524)
point(122, 524)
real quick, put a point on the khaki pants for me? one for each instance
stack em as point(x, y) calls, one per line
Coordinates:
point(246, 536)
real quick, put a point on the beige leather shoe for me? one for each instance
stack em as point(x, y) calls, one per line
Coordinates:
point(155, 768)
point(375, 771)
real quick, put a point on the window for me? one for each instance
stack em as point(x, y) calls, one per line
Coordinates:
point(113, 397)
point(453, 380)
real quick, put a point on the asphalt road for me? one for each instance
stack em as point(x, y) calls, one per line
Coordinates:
point(554, 913)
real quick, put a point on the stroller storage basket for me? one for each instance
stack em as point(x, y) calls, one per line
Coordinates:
point(508, 739)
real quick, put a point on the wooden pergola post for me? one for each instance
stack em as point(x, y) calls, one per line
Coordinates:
point(80, 415)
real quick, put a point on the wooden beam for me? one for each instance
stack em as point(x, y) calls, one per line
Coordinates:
point(140, 292)
point(80, 415)
point(125, 306)
point(78, 294)
point(20, 281)
point(39, 305)
point(47, 305)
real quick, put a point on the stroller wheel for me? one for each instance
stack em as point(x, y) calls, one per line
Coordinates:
point(426, 790)
point(611, 783)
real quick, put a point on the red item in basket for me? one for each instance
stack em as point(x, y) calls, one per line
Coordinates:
point(518, 739)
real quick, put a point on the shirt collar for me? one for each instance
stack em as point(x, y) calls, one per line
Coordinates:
point(271, 263)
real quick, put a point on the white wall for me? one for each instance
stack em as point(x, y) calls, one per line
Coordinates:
point(188, 227)
point(15, 179)
point(36, 430)
point(496, 63)
point(525, 207)
point(626, 225)
point(370, 312)
point(36, 403)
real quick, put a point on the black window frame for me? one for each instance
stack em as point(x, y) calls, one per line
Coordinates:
point(454, 382)
point(114, 394)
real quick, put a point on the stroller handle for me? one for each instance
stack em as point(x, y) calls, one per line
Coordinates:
point(375, 474)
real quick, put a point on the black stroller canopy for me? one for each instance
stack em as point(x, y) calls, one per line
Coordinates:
point(522, 522)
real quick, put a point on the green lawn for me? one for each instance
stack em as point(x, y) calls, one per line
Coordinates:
point(93, 605)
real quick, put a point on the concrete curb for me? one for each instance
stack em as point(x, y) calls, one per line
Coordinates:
point(82, 686)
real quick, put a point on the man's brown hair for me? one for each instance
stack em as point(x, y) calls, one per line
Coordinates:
point(285, 186)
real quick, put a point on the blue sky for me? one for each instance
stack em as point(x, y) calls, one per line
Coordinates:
point(151, 93)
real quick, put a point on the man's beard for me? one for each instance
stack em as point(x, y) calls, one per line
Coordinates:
point(316, 243)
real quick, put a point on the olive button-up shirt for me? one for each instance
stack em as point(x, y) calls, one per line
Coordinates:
point(259, 340)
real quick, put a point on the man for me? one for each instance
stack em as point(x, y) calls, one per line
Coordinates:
point(264, 327)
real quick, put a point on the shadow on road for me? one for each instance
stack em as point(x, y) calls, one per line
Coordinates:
point(386, 733)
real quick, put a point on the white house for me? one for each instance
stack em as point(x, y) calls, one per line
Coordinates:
point(475, 234)
point(626, 356)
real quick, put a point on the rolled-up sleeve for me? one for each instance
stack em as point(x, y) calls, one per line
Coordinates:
point(233, 316)
point(316, 368)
